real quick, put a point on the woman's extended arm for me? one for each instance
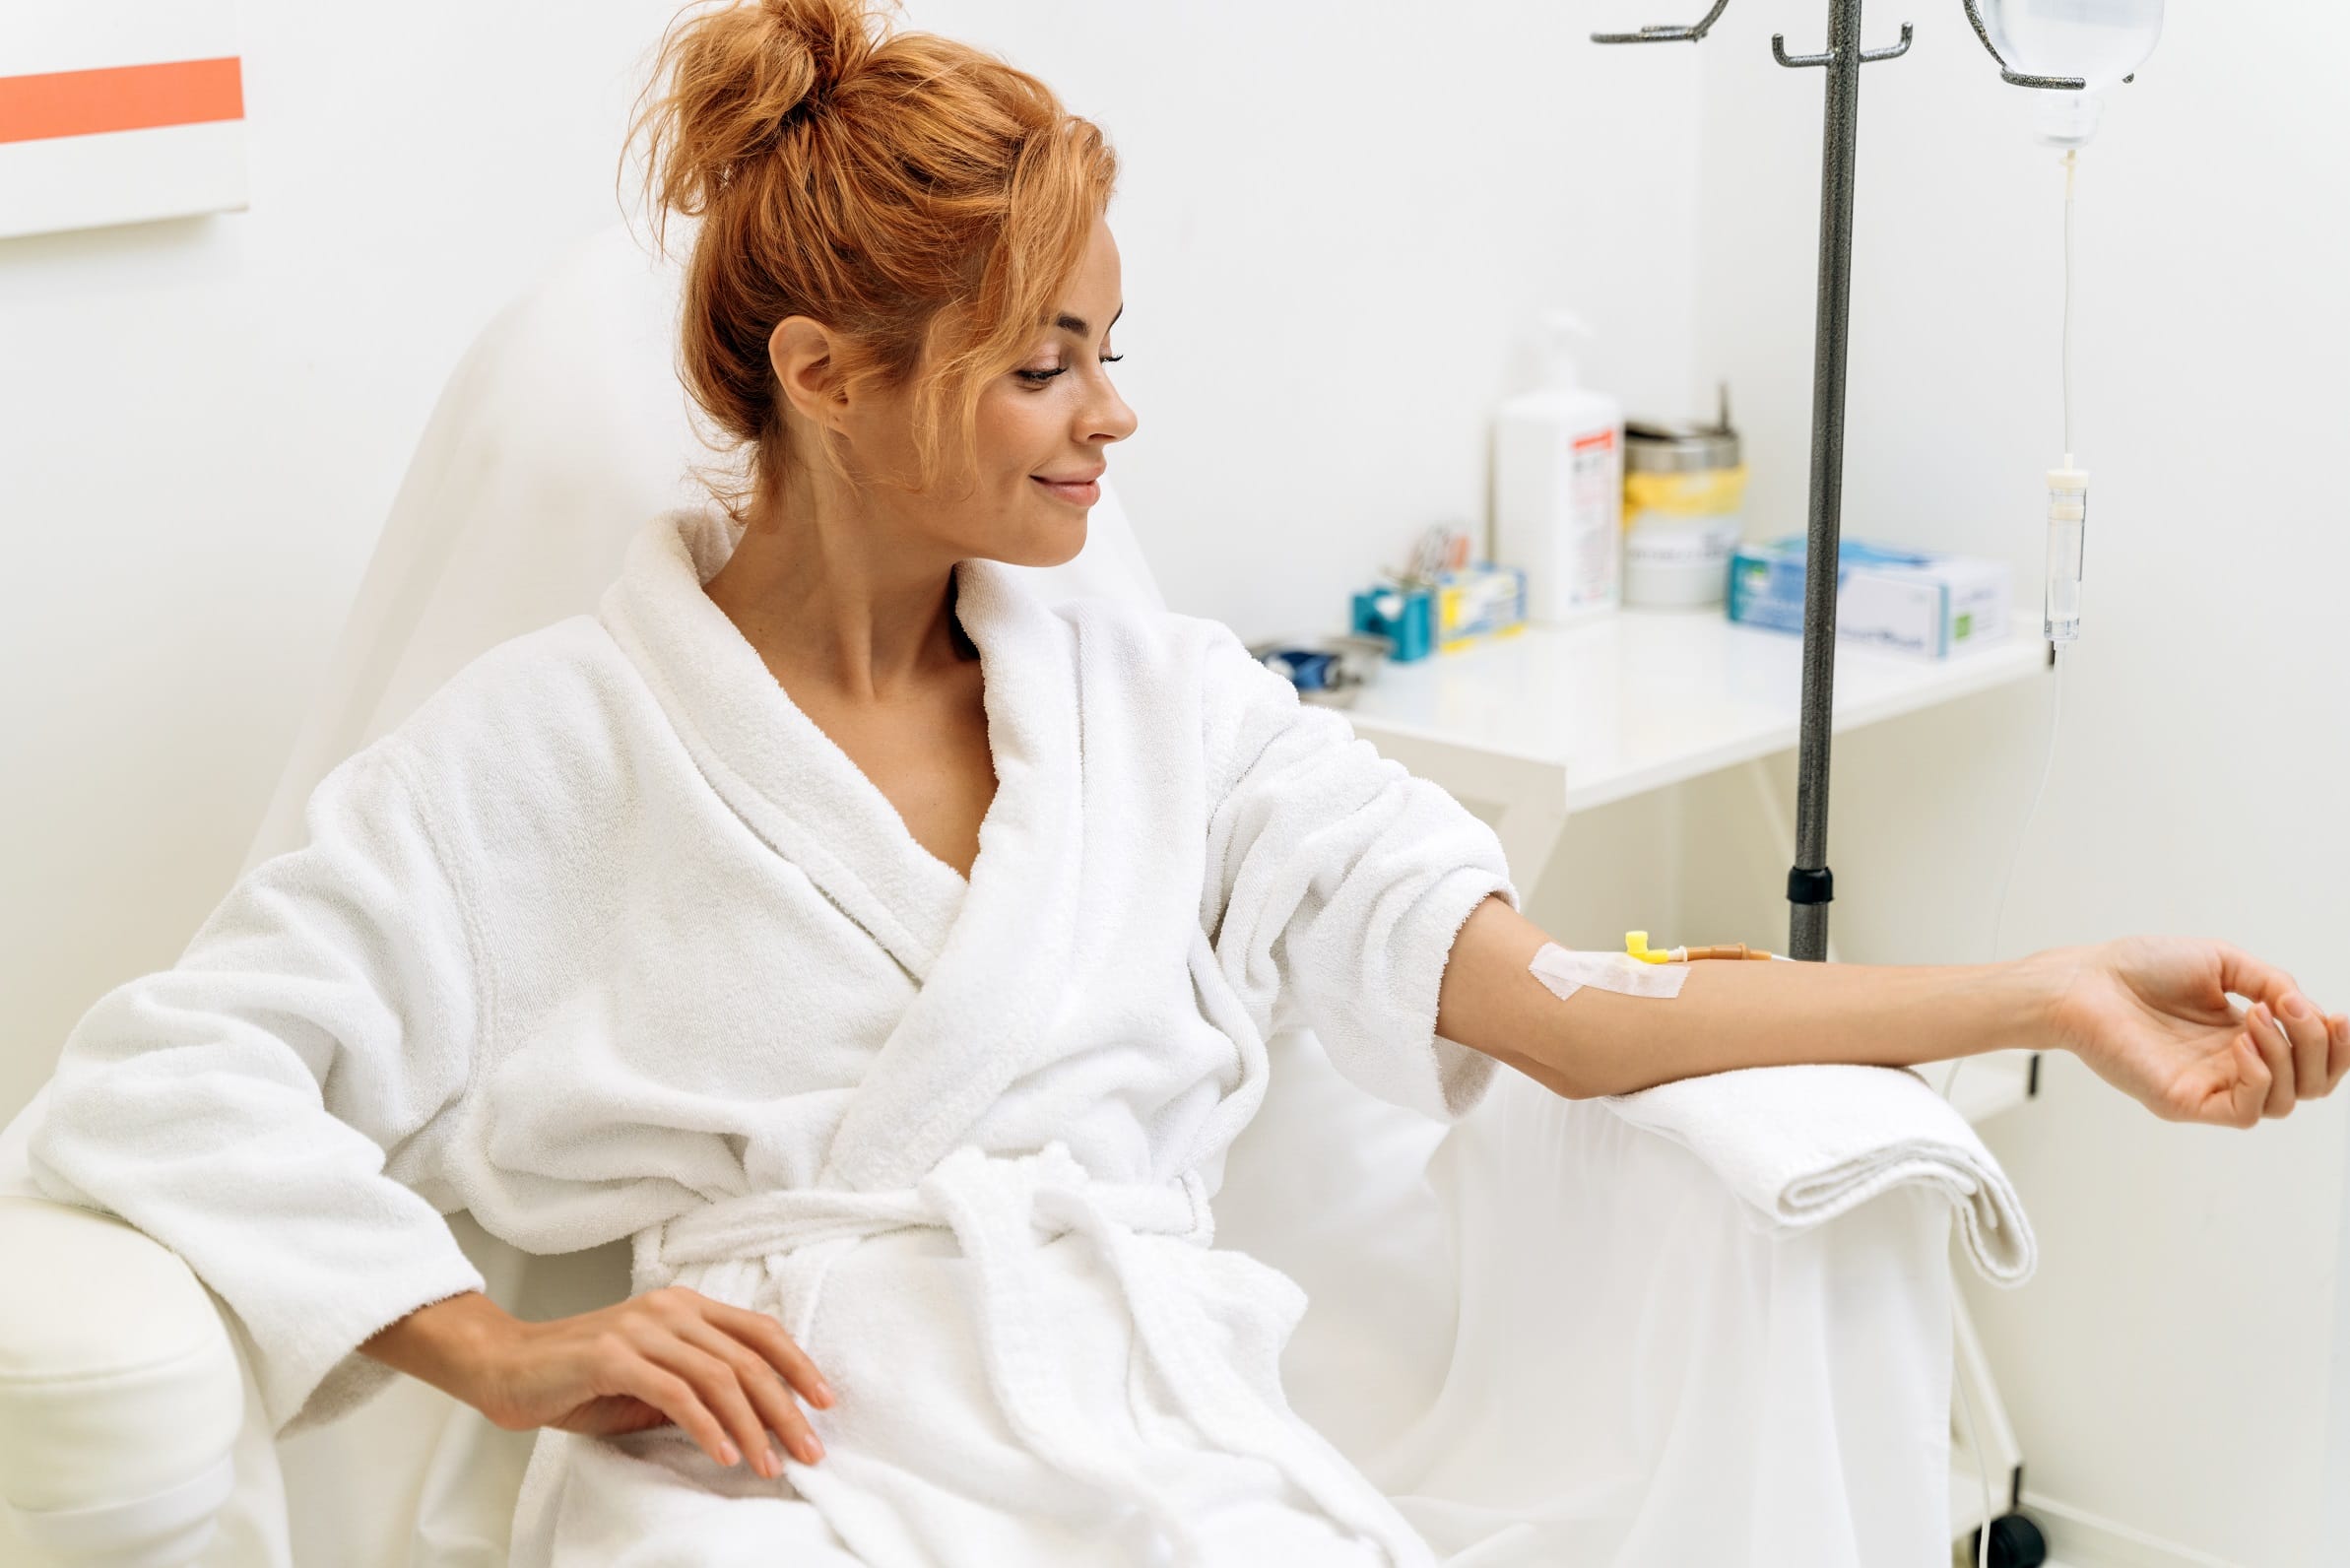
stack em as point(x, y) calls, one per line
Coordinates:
point(2149, 1015)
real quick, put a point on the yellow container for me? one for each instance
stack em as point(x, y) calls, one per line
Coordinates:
point(1684, 513)
point(1710, 492)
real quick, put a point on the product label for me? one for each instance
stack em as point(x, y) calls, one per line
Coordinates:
point(1664, 538)
point(1597, 492)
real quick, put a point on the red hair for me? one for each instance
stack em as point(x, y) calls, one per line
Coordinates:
point(904, 189)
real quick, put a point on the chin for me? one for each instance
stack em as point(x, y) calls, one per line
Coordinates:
point(1047, 544)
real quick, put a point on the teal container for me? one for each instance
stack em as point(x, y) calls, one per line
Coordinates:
point(1406, 617)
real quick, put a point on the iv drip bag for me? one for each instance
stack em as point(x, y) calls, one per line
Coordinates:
point(2100, 41)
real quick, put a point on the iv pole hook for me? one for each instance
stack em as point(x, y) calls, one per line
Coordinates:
point(1669, 32)
point(1868, 56)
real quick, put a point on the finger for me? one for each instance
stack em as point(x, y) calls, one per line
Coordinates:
point(2250, 978)
point(2306, 1027)
point(674, 1398)
point(765, 1335)
point(2337, 1053)
point(720, 1390)
point(779, 1412)
point(2276, 1052)
point(2250, 1092)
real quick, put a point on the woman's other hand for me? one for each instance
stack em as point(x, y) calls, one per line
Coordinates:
point(723, 1374)
point(2152, 1017)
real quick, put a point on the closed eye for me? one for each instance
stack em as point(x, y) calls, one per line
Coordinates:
point(1040, 377)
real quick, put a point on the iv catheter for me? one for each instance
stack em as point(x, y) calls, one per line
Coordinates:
point(1636, 942)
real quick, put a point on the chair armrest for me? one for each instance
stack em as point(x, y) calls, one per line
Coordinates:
point(1643, 1373)
point(120, 1392)
point(1804, 1145)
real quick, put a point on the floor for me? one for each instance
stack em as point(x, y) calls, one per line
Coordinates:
point(1962, 1559)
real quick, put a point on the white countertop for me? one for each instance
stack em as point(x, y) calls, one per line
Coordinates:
point(1643, 698)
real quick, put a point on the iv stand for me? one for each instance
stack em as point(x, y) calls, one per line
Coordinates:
point(1809, 884)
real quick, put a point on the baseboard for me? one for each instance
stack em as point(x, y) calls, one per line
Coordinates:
point(2081, 1540)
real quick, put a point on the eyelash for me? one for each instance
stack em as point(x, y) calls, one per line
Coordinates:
point(1040, 377)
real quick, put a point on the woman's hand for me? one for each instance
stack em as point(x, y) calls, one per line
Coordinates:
point(2151, 1015)
point(721, 1373)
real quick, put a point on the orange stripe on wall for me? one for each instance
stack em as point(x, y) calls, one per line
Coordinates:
point(122, 98)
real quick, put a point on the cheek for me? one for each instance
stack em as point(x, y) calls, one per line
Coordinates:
point(1016, 435)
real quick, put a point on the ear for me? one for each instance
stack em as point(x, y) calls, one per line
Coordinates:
point(800, 353)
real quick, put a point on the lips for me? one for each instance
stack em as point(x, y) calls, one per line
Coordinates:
point(1080, 493)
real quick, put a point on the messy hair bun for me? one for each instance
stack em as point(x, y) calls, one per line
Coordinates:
point(902, 188)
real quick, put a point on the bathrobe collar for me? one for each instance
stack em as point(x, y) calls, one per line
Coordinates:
point(987, 954)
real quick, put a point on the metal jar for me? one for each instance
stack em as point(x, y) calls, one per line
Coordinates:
point(1685, 512)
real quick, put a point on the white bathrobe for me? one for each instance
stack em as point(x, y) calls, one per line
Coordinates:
point(609, 939)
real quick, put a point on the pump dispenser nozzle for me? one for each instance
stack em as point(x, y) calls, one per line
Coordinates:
point(1562, 333)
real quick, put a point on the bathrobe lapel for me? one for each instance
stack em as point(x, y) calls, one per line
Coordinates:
point(987, 956)
point(771, 764)
point(989, 1000)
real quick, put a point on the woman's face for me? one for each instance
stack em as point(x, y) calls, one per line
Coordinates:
point(1050, 418)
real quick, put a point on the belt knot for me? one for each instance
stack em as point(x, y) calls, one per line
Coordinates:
point(1049, 1191)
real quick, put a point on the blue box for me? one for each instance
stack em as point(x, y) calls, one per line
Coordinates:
point(1915, 602)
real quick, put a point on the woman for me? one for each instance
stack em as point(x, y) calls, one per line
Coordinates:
point(890, 955)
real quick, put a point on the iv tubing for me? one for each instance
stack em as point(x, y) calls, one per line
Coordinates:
point(2015, 855)
point(2048, 765)
point(2071, 160)
point(1966, 1404)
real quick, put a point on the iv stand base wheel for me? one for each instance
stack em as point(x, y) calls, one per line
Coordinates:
point(2015, 1543)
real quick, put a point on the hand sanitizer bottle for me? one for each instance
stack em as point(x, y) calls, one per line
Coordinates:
point(1558, 488)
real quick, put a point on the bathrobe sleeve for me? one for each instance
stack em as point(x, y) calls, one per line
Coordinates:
point(263, 1107)
point(1336, 882)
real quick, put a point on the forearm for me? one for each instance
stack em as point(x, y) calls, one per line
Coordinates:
point(1729, 1014)
point(446, 1342)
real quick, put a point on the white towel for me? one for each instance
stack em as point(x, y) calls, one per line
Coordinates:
point(1804, 1144)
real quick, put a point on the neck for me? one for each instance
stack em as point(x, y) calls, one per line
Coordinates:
point(843, 599)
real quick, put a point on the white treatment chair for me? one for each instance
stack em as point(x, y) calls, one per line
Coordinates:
point(1555, 1339)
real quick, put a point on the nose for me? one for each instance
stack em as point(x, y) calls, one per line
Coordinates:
point(1107, 417)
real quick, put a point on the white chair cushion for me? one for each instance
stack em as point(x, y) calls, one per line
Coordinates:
point(111, 1355)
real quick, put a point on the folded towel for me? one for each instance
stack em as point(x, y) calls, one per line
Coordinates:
point(1804, 1144)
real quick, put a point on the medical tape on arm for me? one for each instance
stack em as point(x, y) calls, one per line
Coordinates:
point(1566, 972)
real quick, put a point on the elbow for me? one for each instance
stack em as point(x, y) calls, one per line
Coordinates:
point(1583, 1074)
point(1577, 1088)
point(42, 1168)
point(40, 1120)
point(1567, 1080)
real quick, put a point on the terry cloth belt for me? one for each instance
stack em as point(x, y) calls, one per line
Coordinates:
point(998, 1209)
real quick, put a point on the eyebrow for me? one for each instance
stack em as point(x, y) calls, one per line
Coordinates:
point(1078, 324)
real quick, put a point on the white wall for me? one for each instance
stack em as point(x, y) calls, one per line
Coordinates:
point(1335, 218)
point(2174, 1366)
point(1337, 222)
point(205, 421)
